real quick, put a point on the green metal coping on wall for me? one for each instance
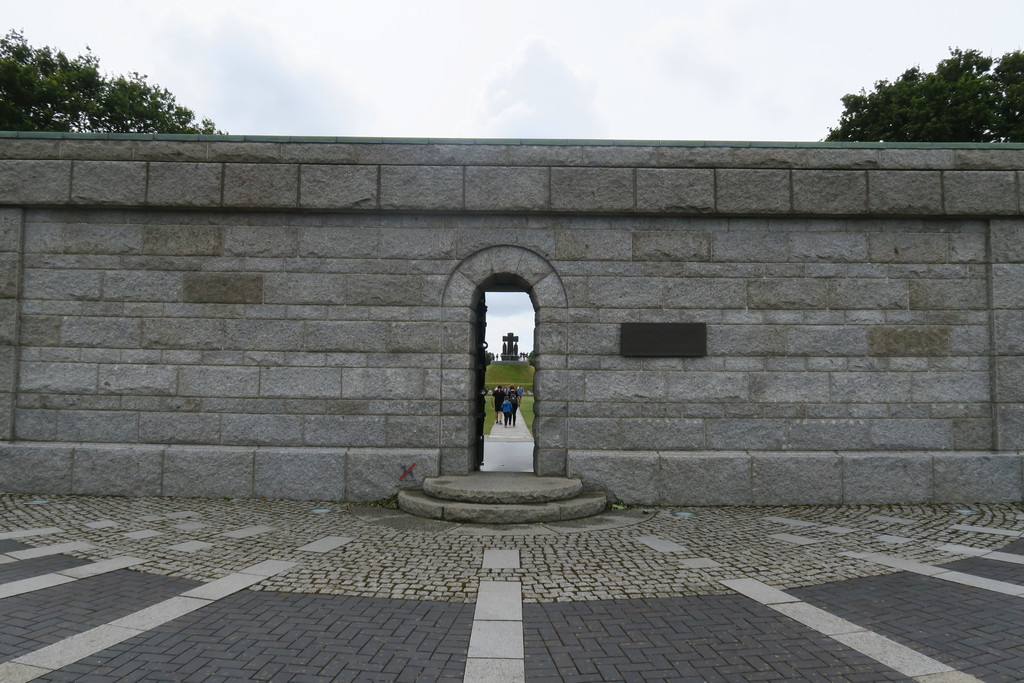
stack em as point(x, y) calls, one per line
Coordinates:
point(554, 142)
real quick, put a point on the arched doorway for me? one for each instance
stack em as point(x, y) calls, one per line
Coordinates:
point(516, 269)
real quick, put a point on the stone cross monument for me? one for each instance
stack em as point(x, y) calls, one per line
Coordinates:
point(510, 347)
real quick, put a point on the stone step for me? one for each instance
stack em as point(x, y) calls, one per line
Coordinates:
point(423, 505)
point(511, 488)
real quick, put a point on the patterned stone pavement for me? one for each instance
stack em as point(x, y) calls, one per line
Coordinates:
point(100, 589)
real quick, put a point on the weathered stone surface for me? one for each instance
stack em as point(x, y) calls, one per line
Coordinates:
point(261, 430)
point(373, 474)
point(676, 246)
point(980, 192)
point(1007, 241)
point(623, 475)
point(741, 434)
point(797, 478)
point(908, 340)
point(1008, 285)
point(337, 187)
point(228, 288)
point(97, 425)
point(108, 182)
point(592, 189)
point(301, 382)
point(887, 478)
point(194, 428)
point(58, 378)
point(704, 478)
point(753, 191)
point(144, 285)
point(499, 188)
point(195, 472)
point(1010, 427)
point(785, 294)
point(184, 184)
point(841, 435)
point(905, 192)
point(184, 240)
point(895, 434)
point(300, 473)
point(35, 181)
point(829, 192)
point(675, 190)
point(35, 468)
point(261, 185)
point(128, 470)
point(153, 380)
point(421, 187)
point(341, 431)
point(977, 478)
point(205, 380)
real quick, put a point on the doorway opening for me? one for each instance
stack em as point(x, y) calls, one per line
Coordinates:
point(506, 322)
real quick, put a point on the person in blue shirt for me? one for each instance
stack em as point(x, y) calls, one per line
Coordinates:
point(506, 410)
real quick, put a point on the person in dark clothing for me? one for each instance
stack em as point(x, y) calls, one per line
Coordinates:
point(499, 397)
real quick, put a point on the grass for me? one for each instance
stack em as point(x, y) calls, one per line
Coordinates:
point(515, 375)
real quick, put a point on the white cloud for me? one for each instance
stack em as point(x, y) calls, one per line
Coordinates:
point(251, 85)
point(509, 312)
point(537, 94)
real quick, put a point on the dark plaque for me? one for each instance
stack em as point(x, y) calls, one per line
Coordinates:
point(664, 339)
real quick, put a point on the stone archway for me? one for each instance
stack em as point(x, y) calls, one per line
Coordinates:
point(531, 273)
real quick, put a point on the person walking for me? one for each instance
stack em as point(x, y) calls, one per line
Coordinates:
point(499, 397)
point(506, 410)
point(514, 400)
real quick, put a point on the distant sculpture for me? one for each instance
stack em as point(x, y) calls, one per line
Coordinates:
point(510, 347)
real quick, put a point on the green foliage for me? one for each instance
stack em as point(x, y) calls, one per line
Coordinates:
point(964, 100)
point(42, 89)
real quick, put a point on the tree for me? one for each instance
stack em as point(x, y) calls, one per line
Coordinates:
point(42, 89)
point(964, 100)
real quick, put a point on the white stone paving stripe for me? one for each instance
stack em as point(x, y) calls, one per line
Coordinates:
point(326, 544)
point(190, 546)
point(31, 584)
point(70, 650)
point(838, 529)
point(496, 651)
point(988, 530)
point(892, 520)
point(697, 563)
point(43, 581)
point(181, 515)
point(248, 531)
point(962, 578)
point(499, 601)
point(142, 533)
point(25, 533)
point(57, 549)
point(790, 521)
point(501, 558)
point(102, 567)
point(794, 539)
point(100, 524)
point(191, 526)
point(894, 540)
point(888, 652)
point(661, 544)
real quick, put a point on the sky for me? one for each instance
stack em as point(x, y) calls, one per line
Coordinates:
point(771, 70)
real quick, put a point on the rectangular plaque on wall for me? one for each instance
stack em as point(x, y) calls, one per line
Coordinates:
point(664, 339)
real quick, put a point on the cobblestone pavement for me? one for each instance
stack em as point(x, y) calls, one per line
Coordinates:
point(98, 589)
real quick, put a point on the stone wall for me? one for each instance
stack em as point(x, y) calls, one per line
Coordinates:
point(232, 317)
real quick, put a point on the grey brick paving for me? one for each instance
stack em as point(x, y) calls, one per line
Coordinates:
point(33, 620)
point(397, 601)
point(978, 632)
point(701, 638)
point(293, 637)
